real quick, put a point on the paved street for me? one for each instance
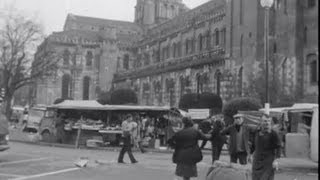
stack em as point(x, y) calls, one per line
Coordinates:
point(25, 161)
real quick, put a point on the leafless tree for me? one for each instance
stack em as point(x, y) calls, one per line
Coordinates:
point(19, 37)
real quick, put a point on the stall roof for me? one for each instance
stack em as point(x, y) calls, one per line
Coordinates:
point(94, 105)
point(297, 107)
point(78, 104)
point(135, 107)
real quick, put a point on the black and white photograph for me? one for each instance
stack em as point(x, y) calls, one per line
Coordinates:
point(159, 90)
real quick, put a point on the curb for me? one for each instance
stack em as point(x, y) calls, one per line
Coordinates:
point(68, 146)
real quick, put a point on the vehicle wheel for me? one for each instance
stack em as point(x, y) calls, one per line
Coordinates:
point(46, 136)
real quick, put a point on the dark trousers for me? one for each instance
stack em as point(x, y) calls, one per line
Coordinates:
point(242, 156)
point(203, 144)
point(216, 151)
point(126, 148)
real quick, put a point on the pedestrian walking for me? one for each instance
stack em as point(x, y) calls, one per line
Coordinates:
point(127, 128)
point(187, 152)
point(267, 150)
point(239, 139)
point(217, 139)
point(136, 135)
point(60, 124)
point(205, 128)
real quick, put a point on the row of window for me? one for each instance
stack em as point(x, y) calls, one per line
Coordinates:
point(67, 57)
point(202, 42)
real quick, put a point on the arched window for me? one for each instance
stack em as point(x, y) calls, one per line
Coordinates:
point(223, 36)
point(305, 35)
point(170, 84)
point(126, 61)
point(182, 86)
point(200, 42)
point(187, 46)
point(218, 78)
point(241, 12)
point(208, 40)
point(240, 78)
point(199, 88)
point(157, 91)
point(217, 37)
point(174, 47)
point(65, 86)
point(241, 45)
point(284, 73)
point(89, 58)
point(313, 68)
point(86, 87)
point(66, 57)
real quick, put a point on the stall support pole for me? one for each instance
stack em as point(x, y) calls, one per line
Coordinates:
point(78, 136)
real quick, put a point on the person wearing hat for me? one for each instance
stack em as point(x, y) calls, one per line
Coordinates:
point(239, 139)
point(217, 140)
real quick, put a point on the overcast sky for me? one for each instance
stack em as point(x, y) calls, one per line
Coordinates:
point(52, 13)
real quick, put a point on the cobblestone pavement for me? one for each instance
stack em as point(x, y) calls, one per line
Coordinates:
point(25, 161)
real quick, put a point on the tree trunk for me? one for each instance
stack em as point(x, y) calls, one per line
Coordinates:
point(7, 103)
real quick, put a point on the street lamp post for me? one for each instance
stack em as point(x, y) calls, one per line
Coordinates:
point(266, 4)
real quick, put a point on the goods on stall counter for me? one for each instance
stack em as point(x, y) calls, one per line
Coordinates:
point(85, 124)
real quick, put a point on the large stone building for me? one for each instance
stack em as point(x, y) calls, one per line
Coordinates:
point(170, 50)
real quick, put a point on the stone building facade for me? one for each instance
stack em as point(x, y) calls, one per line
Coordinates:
point(170, 50)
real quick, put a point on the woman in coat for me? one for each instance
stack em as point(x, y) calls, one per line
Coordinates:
point(267, 149)
point(187, 152)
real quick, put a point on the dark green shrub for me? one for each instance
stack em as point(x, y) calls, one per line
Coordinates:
point(104, 98)
point(201, 101)
point(239, 104)
point(123, 96)
point(60, 100)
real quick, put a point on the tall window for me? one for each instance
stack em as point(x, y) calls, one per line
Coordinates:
point(305, 35)
point(66, 57)
point(311, 3)
point(313, 68)
point(174, 50)
point(86, 87)
point(241, 45)
point(208, 40)
point(284, 73)
point(223, 36)
point(187, 46)
point(65, 86)
point(218, 78)
point(89, 58)
point(241, 12)
point(285, 6)
point(200, 42)
point(240, 77)
point(126, 62)
point(217, 37)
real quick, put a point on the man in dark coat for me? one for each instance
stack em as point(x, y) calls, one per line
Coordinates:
point(267, 150)
point(205, 128)
point(60, 124)
point(239, 139)
point(217, 140)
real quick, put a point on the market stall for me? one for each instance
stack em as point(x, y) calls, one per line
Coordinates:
point(90, 121)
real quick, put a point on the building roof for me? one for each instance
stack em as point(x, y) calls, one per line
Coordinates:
point(75, 34)
point(99, 22)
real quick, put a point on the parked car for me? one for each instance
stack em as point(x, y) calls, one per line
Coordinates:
point(4, 133)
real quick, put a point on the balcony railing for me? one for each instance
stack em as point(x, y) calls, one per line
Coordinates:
point(213, 56)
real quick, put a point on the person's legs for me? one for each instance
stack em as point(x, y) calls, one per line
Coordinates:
point(233, 158)
point(242, 158)
point(214, 153)
point(186, 178)
point(132, 159)
point(121, 154)
point(204, 142)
